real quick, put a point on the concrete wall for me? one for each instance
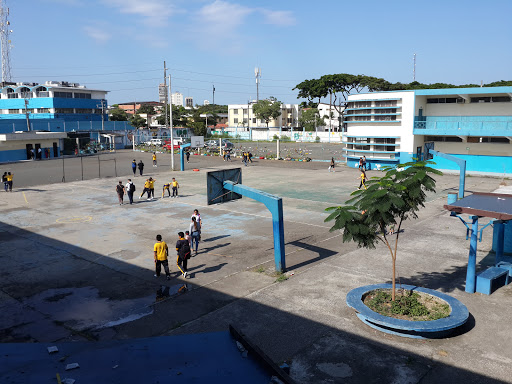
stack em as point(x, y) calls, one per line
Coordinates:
point(16, 150)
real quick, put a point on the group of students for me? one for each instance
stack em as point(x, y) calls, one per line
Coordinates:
point(7, 180)
point(246, 158)
point(149, 188)
point(140, 165)
point(184, 247)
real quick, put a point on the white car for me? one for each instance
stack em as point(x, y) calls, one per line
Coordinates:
point(157, 142)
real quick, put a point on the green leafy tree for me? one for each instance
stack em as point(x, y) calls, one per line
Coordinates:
point(138, 121)
point(179, 116)
point(310, 119)
point(376, 214)
point(338, 87)
point(146, 109)
point(267, 109)
point(118, 114)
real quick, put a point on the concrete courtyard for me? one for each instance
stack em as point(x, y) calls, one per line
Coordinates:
point(76, 266)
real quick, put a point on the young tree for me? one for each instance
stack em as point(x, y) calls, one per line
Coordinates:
point(138, 121)
point(267, 109)
point(377, 213)
point(310, 119)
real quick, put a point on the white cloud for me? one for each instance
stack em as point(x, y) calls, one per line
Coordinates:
point(281, 18)
point(97, 33)
point(224, 17)
point(152, 12)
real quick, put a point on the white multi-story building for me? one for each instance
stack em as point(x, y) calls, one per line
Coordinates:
point(474, 124)
point(242, 115)
point(332, 124)
point(189, 102)
point(206, 102)
point(177, 99)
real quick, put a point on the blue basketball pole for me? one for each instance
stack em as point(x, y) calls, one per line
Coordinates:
point(182, 156)
point(462, 165)
point(471, 272)
point(275, 206)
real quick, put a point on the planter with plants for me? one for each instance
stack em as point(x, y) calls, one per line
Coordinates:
point(375, 215)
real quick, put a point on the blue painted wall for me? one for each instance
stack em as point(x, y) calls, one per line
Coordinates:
point(477, 163)
point(21, 154)
point(464, 125)
point(61, 125)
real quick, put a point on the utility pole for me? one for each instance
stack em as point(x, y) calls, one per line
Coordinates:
point(257, 75)
point(213, 94)
point(102, 106)
point(166, 97)
point(170, 125)
point(26, 114)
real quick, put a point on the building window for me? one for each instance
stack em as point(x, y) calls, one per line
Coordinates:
point(43, 110)
point(64, 110)
point(13, 111)
point(12, 95)
point(385, 118)
point(82, 95)
point(83, 110)
point(235, 120)
point(384, 111)
point(235, 111)
point(63, 95)
point(43, 94)
point(254, 120)
point(442, 100)
point(386, 103)
point(362, 111)
point(362, 147)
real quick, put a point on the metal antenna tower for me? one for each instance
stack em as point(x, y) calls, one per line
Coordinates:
point(5, 42)
point(414, 68)
point(257, 75)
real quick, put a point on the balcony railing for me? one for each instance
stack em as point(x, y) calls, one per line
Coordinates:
point(494, 126)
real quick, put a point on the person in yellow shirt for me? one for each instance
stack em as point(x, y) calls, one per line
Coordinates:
point(9, 180)
point(175, 187)
point(166, 188)
point(363, 180)
point(151, 192)
point(146, 189)
point(161, 252)
point(154, 159)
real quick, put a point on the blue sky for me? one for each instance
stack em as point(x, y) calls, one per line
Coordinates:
point(120, 45)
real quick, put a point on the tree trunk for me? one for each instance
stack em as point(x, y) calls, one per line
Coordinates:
point(393, 284)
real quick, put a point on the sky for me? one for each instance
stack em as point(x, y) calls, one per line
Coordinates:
point(120, 45)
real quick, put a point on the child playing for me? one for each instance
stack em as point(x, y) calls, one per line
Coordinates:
point(175, 187)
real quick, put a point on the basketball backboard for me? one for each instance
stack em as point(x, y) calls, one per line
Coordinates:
point(197, 141)
point(216, 193)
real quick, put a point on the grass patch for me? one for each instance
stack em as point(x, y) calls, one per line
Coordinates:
point(260, 270)
point(408, 305)
point(281, 277)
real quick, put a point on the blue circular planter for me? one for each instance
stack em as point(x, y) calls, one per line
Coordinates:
point(432, 329)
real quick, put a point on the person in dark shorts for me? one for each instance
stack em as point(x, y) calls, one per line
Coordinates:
point(141, 167)
point(183, 253)
point(120, 192)
point(134, 167)
point(161, 252)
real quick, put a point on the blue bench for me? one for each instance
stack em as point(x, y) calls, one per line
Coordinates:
point(508, 266)
point(491, 279)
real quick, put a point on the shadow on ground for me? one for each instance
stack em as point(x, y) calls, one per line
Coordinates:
point(67, 293)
